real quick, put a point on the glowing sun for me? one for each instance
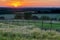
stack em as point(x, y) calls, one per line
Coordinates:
point(16, 4)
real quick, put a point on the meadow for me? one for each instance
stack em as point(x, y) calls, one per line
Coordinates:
point(29, 30)
point(37, 23)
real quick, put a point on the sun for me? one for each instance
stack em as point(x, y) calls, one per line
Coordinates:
point(16, 4)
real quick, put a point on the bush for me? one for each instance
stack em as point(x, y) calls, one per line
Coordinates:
point(35, 18)
point(45, 18)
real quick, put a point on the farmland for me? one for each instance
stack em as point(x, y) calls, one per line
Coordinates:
point(29, 30)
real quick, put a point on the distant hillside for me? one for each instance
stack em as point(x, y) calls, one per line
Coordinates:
point(4, 10)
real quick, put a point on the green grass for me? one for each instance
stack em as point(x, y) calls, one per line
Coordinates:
point(37, 23)
point(33, 34)
point(28, 30)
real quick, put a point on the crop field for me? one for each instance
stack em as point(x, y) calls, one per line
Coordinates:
point(29, 30)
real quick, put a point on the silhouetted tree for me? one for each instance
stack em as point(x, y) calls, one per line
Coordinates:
point(2, 18)
point(54, 19)
point(28, 15)
point(59, 19)
point(18, 16)
point(55, 11)
point(35, 18)
point(44, 18)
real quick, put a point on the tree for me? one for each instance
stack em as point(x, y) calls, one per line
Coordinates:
point(18, 16)
point(55, 11)
point(27, 15)
point(59, 19)
point(54, 19)
point(2, 18)
point(44, 18)
point(35, 17)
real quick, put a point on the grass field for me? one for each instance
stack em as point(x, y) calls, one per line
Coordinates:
point(28, 30)
point(37, 23)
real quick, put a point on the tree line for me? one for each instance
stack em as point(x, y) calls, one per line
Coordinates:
point(28, 16)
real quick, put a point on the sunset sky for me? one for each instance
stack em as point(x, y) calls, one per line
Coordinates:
point(29, 3)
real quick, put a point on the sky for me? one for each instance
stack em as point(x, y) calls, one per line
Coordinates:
point(29, 3)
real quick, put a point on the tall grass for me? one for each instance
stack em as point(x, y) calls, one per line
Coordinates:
point(27, 30)
point(30, 34)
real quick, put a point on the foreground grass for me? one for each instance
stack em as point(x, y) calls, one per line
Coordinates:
point(30, 34)
point(28, 30)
